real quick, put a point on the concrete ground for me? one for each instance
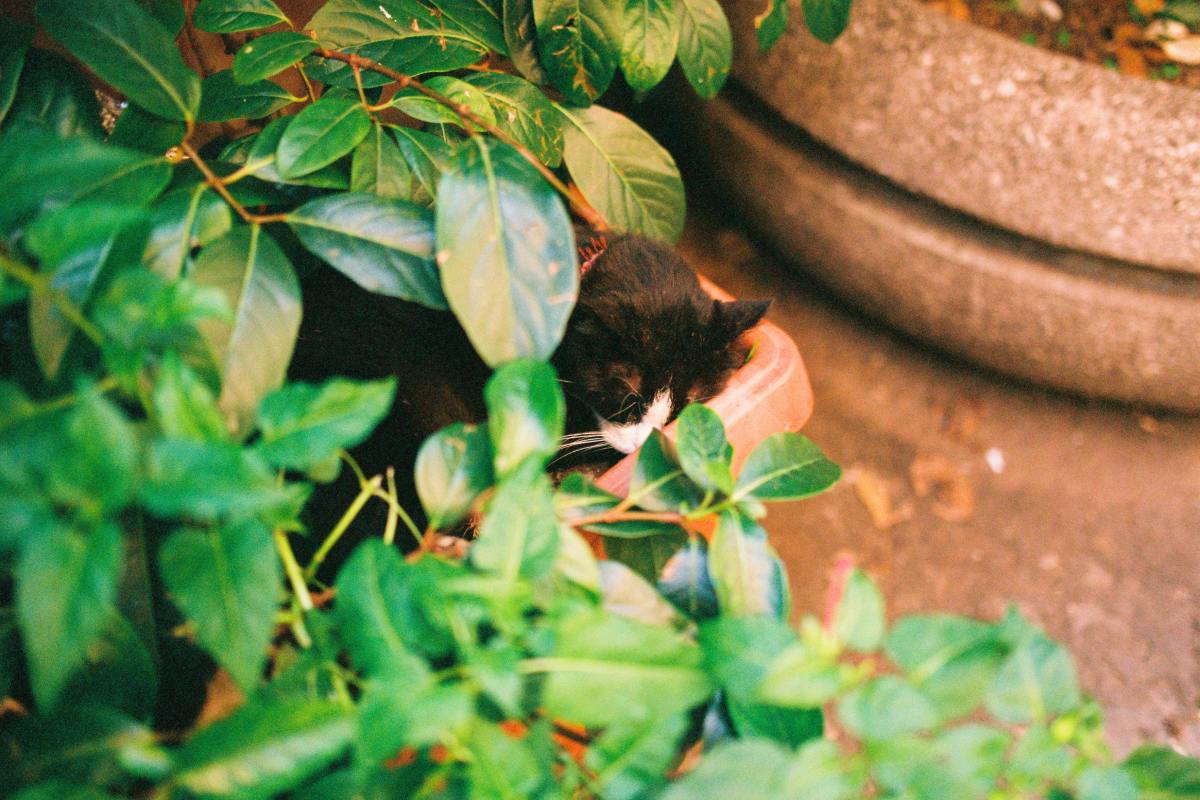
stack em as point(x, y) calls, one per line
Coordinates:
point(966, 491)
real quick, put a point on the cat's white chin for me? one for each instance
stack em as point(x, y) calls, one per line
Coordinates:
point(629, 437)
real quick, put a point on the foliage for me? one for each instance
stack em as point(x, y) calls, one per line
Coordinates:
point(154, 461)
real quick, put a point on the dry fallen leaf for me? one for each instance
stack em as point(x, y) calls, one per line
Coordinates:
point(1185, 50)
point(953, 494)
point(873, 493)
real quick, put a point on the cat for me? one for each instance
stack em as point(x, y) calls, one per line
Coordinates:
point(643, 341)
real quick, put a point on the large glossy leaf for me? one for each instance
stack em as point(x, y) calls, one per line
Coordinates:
point(771, 23)
point(624, 173)
point(234, 16)
point(453, 467)
point(254, 348)
point(519, 534)
point(704, 453)
point(579, 42)
point(520, 34)
point(54, 95)
point(321, 134)
point(224, 98)
point(302, 425)
point(266, 747)
point(181, 221)
point(705, 46)
point(651, 37)
point(271, 54)
point(747, 573)
point(480, 18)
point(605, 668)
point(379, 167)
point(458, 92)
point(522, 111)
point(138, 129)
point(14, 42)
point(226, 581)
point(427, 156)
point(66, 588)
point(385, 246)
point(260, 160)
point(130, 49)
point(169, 12)
point(384, 609)
point(826, 19)
point(785, 466)
point(686, 583)
point(184, 406)
point(526, 413)
point(500, 225)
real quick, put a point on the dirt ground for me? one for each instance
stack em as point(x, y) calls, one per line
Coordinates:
point(1085, 515)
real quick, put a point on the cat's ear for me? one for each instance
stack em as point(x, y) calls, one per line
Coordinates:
point(735, 317)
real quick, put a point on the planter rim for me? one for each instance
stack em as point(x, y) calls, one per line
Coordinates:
point(1040, 143)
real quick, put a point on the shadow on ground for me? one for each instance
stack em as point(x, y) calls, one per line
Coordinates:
point(1085, 515)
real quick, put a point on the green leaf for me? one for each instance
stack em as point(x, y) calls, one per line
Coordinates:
point(66, 588)
point(520, 34)
point(952, 659)
point(461, 93)
point(303, 425)
point(579, 41)
point(226, 581)
point(885, 708)
point(651, 37)
point(575, 560)
point(406, 711)
point(1186, 11)
point(519, 534)
point(826, 19)
point(479, 18)
point(577, 497)
point(747, 573)
point(234, 16)
point(499, 224)
point(9, 644)
point(658, 482)
point(213, 480)
point(648, 555)
point(526, 413)
point(321, 134)
point(138, 129)
point(118, 673)
point(169, 12)
point(260, 161)
point(859, 621)
point(379, 167)
point(271, 54)
point(385, 246)
point(263, 749)
point(750, 768)
point(771, 23)
point(624, 173)
point(129, 49)
point(632, 756)
point(1163, 774)
point(1038, 758)
point(685, 581)
point(1107, 783)
point(453, 467)
point(705, 46)
point(184, 406)
point(605, 668)
point(630, 595)
point(501, 766)
point(181, 221)
point(975, 756)
point(385, 611)
point(785, 466)
point(802, 676)
point(54, 95)
point(225, 98)
point(14, 42)
point(819, 772)
point(427, 156)
point(522, 111)
point(1037, 680)
point(254, 348)
point(704, 453)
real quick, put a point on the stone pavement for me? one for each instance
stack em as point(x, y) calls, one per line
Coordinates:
point(1086, 515)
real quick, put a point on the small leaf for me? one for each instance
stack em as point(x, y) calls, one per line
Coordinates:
point(453, 467)
point(181, 221)
point(579, 41)
point(624, 173)
point(952, 659)
point(303, 425)
point(66, 588)
point(526, 413)
point(271, 54)
point(1036, 681)
point(859, 621)
point(785, 466)
point(224, 98)
point(1106, 783)
point(234, 16)
point(630, 595)
point(264, 748)
point(128, 48)
point(378, 167)
point(183, 405)
point(747, 573)
point(685, 581)
point(705, 46)
point(503, 766)
point(226, 581)
point(742, 768)
point(826, 19)
point(801, 676)
point(771, 23)
point(427, 156)
point(260, 161)
point(500, 224)
point(704, 452)
point(253, 350)
point(658, 482)
point(523, 112)
point(385, 246)
point(519, 534)
point(632, 756)
point(885, 708)
point(648, 555)
point(651, 37)
point(461, 93)
point(1162, 773)
point(321, 134)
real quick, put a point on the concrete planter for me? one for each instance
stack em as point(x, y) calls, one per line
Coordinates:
point(1035, 213)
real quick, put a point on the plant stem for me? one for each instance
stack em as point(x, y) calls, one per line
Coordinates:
point(364, 494)
point(292, 567)
point(39, 284)
point(590, 215)
point(219, 185)
point(389, 528)
point(312, 96)
point(616, 515)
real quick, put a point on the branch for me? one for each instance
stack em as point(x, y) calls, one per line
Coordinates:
point(219, 185)
point(39, 283)
point(584, 209)
point(619, 515)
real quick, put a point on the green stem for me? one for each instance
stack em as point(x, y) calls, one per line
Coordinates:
point(40, 285)
point(364, 494)
point(58, 403)
point(292, 567)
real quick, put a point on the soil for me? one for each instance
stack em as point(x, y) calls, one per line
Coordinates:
point(1111, 33)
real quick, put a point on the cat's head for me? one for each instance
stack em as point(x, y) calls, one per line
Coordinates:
point(645, 340)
